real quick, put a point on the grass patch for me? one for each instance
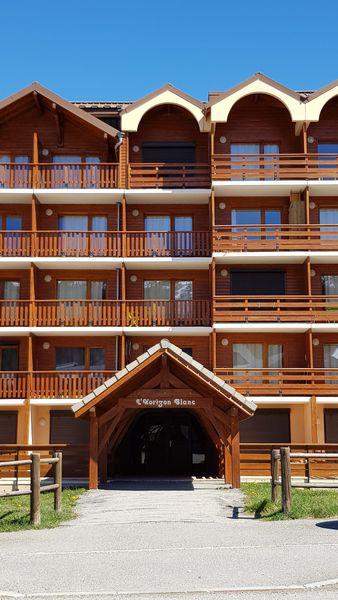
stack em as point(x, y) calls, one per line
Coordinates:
point(14, 512)
point(306, 504)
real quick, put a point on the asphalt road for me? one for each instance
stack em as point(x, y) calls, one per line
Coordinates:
point(135, 543)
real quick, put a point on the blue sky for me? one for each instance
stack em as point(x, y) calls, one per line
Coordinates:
point(121, 50)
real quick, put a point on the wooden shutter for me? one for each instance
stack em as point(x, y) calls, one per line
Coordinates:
point(331, 425)
point(266, 426)
point(8, 426)
point(66, 429)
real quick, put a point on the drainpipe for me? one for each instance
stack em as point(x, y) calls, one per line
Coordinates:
point(117, 353)
point(120, 140)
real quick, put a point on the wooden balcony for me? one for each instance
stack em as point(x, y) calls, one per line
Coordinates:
point(146, 244)
point(260, 238)
point(55, 175)
point(281, 381)
point(310, 309)
point(77, 313)
point(180, 244)
point(16, 385)
point(169, 175)
point(274, 167)
point(67, 384)
point(167, 313)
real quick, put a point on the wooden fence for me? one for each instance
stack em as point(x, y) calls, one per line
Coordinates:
point(281, 460)
point(35, 489)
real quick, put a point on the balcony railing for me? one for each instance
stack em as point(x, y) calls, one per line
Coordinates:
point(58, 175)
point(15, 313)
point(104, 313)
point(281, 381)
point(272, 167)
point(67, 384)
point(246, 238)
point(167, 243)
point(180, 244)
point(311, 309)
point(168, 175)
point(16, 385)
point(167, 313)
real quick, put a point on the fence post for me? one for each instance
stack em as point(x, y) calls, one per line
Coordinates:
point(274, 475)
point(286, 479)
point(58, 481)
point(35, 514)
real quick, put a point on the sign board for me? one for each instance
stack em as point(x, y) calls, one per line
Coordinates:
point(172, 400)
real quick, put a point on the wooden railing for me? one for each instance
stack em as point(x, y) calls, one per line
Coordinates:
point(79, 243)
point(256, 459)
point(77, 313)
point(244, 238)
point(67, 384)
point(74, 460)
point(311, 309)
point(251, 167)
point(16, 243)
point(164, 313)
point(58, 175)
point(167, 243)
point(168, 175)
point(14, 313)
point(14, 385)
point(303, 381)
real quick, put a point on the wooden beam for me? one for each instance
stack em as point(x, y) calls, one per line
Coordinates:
point(308, 276)
point(93, 450)
point(164, 381)
point(37, 101)
point(235, 448)
point(314, 424)
point(110, 429)
point(59, 123)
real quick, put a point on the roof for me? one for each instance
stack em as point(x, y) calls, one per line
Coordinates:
point(215, 384)
point(168, 87)
point(37, 88)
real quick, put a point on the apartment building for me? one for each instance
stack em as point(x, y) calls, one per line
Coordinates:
point(196, 244)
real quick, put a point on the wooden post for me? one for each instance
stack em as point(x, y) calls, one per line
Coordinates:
point(274, 475)
point(93, 450)
point(235, 448)
point(227, 462)
point(286, 479)
point(32, 314)
point(123, 351)
point(212, 218)
point(35, 513)
point(314, 424)
point(124, 225)
point(34, 249)
point(123, 295)
point(58, 482)
point(213, 350)
point(35, 159)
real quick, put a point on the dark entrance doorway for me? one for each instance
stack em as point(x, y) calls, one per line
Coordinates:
point(165, 442)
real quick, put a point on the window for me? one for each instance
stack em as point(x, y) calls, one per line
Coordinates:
point(10, 290)
point(9, 357)
point(83, 243)
point(330, 425)
point(256, 356)
point(254, 282)
point(266, 427)
point(331, 361)
point(156, 290)
point(80, 359)
point(187, 351)
point(8, 426)
point(328, 219)
point(69, 359)
point(240, 153)
point(163, 243)
point(168, 152)
point(330, 288)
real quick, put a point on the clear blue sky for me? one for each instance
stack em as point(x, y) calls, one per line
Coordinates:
point(121, 50)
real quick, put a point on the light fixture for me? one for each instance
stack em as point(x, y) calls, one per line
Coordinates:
point(135, 212)
point(221, 205)
point(136, 148)
point(310, 139)
point(222, 139)
point(133, 278)
point(313, 273)
point(136, 346)
point(312, 205)
point(45, 152)
point(49, 212)
point(48, 278)
point(46, 345)
point(42, 422)
point(224, 273)
point(315, 341)
point(224, 342)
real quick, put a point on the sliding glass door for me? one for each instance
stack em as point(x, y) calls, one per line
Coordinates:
point(157, 235)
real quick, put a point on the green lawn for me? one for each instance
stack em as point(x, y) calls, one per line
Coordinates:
point(14, 512)
point(306, 504)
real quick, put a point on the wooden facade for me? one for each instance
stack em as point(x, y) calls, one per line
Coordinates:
point(229, 216)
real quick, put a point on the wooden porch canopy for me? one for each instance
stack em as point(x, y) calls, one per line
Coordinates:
point(164, 377)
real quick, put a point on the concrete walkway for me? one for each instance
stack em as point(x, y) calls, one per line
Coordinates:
point(170, 541)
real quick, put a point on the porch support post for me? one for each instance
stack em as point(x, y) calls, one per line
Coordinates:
point(93, 450)
point(235, 448)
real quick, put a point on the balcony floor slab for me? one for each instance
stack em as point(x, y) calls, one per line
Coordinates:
point(16, 196)
point(163, 262)
point(78, 196)
point(167, 196)
point(172, 331)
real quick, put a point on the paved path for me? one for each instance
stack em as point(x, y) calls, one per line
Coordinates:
point(172, 542)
